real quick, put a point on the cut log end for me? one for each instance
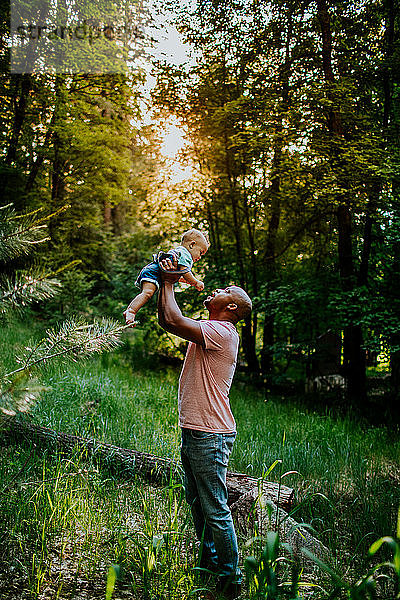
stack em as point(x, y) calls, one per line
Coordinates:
point(255, 507)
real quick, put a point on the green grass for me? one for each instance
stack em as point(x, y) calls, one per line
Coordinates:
point(63, 523)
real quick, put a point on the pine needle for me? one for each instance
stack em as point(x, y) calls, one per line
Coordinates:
point(24, 288)
point(19, 233)
point(74, 339)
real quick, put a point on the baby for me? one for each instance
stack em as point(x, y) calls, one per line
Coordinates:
point(194, 245)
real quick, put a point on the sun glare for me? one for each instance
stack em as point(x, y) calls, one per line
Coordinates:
point(173, 140)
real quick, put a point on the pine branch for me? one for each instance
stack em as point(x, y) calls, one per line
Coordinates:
point(24, 288)
point(54, 214)
point(19, 233)
point(75, 339)
point(20, 396)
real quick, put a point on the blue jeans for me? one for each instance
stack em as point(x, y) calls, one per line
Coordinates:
point(205, 460)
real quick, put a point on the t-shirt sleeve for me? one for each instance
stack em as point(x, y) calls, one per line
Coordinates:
point(214, 334)
point(184, 258)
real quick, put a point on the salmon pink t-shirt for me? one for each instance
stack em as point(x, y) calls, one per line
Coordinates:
point(205, 381)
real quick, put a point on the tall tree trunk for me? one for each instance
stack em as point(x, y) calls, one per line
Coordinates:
point(248, 334)
point(58, 163)
point(57, 177)
point(392, 406)
point(107, 214)
point(353, 352)
point(275, 214)
point(212, 227)
point(393, 292)
point(23, 85)
point(267, 360)
point(250, 327)
point(40, 156)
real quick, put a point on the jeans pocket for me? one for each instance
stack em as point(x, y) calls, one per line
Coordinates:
point(226, 447)
point(229, 441)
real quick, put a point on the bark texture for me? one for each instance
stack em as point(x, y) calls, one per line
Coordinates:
point(254, 508)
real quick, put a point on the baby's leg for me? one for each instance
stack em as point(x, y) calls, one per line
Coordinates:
point(148, 290)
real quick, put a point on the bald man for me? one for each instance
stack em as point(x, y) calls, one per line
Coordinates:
point(207, 422)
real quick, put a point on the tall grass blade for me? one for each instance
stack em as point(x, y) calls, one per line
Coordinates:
point(113, 575)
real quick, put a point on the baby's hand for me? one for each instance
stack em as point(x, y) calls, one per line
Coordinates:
point(130, 317)
point(199, 286)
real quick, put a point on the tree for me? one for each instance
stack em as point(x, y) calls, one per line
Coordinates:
point(19, 234)
point(286, 116)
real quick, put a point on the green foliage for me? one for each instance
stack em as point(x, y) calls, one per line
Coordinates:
point(25, 288)
point(284, 146)
point(266, 584)
point(19, 233)
point(262, 573)
point(276, 149)
point(365, 588)
point(104, 521)
point(74, 338)
point(113, 575)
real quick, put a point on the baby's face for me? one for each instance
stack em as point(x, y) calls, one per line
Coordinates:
point(197, 249)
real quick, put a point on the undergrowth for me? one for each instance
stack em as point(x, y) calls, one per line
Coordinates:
point(64, 521)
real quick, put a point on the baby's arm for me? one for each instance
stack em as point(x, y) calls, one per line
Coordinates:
point(190, 278)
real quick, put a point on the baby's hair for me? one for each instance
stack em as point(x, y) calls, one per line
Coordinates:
point(194, 234)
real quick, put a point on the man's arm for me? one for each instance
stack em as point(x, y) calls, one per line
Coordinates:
point(171, 318)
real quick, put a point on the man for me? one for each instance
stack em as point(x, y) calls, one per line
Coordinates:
point(208, 426)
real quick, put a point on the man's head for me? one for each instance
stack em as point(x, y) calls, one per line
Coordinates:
point(229, 304)
point(196, 242)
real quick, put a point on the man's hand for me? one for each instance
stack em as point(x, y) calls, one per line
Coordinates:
point(199, 286)
point(169, 265)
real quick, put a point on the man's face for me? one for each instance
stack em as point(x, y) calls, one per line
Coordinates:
point(232, 295)
point(219, 298)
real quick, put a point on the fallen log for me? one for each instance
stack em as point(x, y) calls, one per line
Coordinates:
point(251, 500)
point(255, 507)
point(132, 462)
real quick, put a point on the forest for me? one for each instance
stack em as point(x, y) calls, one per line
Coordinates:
point(278, 135)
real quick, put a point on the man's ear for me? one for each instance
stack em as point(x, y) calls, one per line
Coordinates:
point(232, 306)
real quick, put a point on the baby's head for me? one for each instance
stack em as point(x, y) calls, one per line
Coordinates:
point(196, 242)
